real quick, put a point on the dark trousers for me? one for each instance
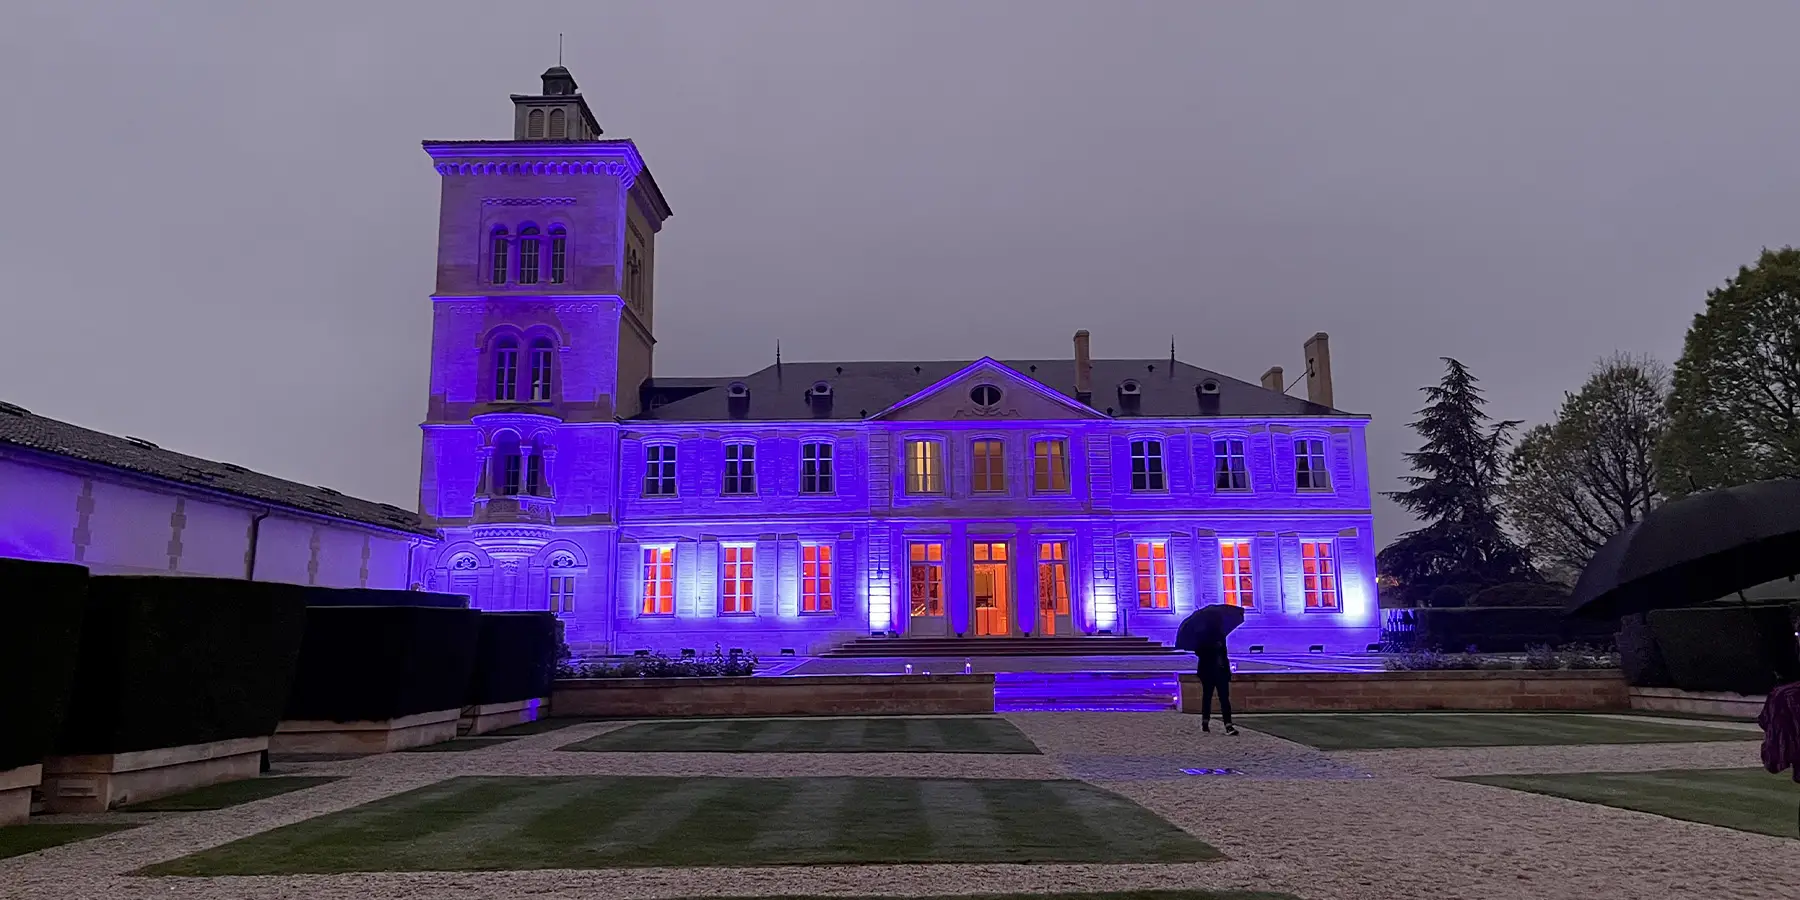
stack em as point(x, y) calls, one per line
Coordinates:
point(1206, 694)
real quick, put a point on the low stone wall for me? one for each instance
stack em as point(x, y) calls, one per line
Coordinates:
point(99, 782)
point(15, 793)
point(1400, 691)
point(308, 737)
point(802, 695)
point(495, 716)
point(1704, 703)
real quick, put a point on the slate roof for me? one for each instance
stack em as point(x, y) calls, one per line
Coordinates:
point(20, 428)
point(864, 389)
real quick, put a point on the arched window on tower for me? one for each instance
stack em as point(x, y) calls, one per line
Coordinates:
point(543, 356)
point(506, 369)
point(498, 271)
point(559, 125)
point(559, 254)
point(534, 124)
point(535, 484)
point(509, 470)
point(528, 255)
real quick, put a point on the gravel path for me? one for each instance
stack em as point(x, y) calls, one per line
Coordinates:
point(1341, 826)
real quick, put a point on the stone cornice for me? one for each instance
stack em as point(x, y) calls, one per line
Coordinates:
point(618, 159)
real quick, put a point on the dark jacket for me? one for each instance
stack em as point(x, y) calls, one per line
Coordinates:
point(1215, 665)
point(1780, 721)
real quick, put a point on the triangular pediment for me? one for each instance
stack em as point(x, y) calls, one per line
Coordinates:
point(955, 399)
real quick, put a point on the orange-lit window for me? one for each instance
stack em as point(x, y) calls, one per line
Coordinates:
point(659, 581)
point(988, 474)
point(815, 578)
point(1050, 466)
point(737, 586)
point(1153, 574)
point(1319, 570)
point(926, 565)
point(1235, 567)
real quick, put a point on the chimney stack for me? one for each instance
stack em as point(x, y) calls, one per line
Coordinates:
point(1318, 369)
point(1274, 380)
point(1084, 367)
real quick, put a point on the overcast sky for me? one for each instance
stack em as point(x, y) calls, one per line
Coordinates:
point(219, 226)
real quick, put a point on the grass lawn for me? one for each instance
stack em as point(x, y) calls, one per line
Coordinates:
point(871, 735)
point(1744, 799)
point(459, 745)
point(1380, 731)
point(20, 839)
point(585, 822)
point(230, 793)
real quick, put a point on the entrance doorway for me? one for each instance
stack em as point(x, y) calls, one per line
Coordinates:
point(1053, 589)
point(992, 589)
point(925, 590)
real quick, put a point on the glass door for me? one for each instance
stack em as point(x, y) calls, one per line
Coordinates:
point(992, 589)
point(1053, 589)
point(925, 590)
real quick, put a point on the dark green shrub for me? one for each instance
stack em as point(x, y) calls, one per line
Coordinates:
point(1520, 593)
point(319, 596)
point(41, 607)
point(1745, 649)
point(1640, 657)
point(1504, 629)
point(1451, 596)
point(375, 663)
point(715, 665)
point(168, 661)
point(515, 657)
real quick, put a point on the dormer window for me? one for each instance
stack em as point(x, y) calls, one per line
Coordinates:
point(820, 389)
point(737, 390)
point(1130, 388)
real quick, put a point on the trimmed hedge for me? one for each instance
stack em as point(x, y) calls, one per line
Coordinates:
point(1520, 593)
point(375, 663)
point(1504, 629)
point(319, 596)
point(1744, 649)
point(41, 617)
point(1639, 656)
point(515, 657)
point(168, 661)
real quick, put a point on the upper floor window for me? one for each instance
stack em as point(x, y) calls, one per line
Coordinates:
point(659, 470)
point(924, 466)
point(1147, 465)
point(1309, 465)
point(988, 474)
point(815, 578)
point(1050, 466)
point(633, 288)
point(1153, 574)
point(815, 468)
point(543, 355)
point(1235, 568)
point(740, 469)
point(508, 466)
point(506, 369)
point(500, 245)
point(1318, 571)
point(1231, 470)
point(659, 582)
point(534, 124)
point(737, 592)
point(528, 255)
point(559, 125)
point(559, 254)
point(534, 471)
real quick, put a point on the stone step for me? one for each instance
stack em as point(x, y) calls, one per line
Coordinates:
point(1086, 691)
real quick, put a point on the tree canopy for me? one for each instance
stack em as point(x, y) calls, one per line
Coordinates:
point(1735, 408)
point(1456, 475)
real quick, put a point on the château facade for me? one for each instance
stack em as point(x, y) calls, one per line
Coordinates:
point(808, 504)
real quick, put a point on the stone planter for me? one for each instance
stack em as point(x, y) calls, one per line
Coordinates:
point(355, 738)
point(1403, 691)
point(495, 716)
point(15, 793)
point(804, 695)
point(1704, 703)
point(98, 782)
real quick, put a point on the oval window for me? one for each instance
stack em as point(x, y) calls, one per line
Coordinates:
point(985, 395)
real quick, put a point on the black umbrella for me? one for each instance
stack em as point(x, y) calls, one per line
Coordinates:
point(1699, 548)
point(1206, 625)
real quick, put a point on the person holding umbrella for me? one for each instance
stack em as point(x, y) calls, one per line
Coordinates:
point(1204, 633)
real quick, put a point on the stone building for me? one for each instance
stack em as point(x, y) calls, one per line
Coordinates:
point(808, 504)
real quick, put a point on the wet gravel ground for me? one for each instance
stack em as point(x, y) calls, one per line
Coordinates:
point(1339, 826)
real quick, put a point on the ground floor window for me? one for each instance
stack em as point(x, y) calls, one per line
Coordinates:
point(562, 593)
point(659, 581)
point(738, 584)
point(1153, 574)
point(926, 570)
point(1235, 567)
point(815, 578)
point(1319, 570)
